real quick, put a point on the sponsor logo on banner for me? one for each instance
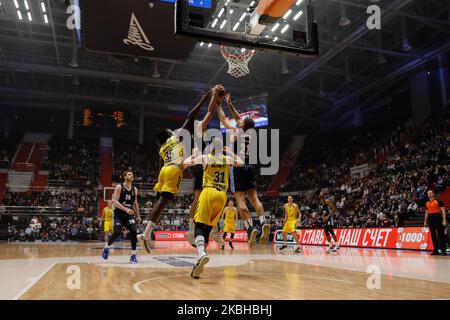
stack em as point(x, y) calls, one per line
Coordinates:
point(137, 36)
point(239, 236)
point(162, 235)
point(289, 237)
point(411, 238)
point(383, 238)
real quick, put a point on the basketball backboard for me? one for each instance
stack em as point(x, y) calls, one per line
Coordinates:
point(283, 26)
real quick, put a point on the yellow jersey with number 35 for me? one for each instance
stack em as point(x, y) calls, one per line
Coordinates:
point(216, 173)
point(172, 152)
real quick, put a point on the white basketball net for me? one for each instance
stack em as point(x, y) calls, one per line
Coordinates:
point(237, 60)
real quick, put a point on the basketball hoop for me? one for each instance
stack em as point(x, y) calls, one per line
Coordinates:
point(237, 60)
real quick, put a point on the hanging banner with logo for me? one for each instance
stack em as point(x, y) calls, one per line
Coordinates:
point(133, 27)
point(416, 238)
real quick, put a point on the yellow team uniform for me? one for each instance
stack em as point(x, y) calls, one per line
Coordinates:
point(292, 218)
point(172, 152)
point(214, 194)
point(230, 220)
point(109, 217)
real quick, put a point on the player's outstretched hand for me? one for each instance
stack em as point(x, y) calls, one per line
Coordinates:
point(228, 98)
point(218, 91)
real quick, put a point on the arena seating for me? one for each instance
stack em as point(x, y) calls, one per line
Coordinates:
point(403, 164)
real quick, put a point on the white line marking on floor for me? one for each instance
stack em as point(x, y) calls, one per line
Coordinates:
point(137, 285)
point(28, 287)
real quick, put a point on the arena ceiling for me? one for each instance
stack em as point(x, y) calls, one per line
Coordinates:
point(42, 65)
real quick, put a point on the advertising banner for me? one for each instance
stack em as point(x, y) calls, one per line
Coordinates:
point(239, 236)
point(416, 238)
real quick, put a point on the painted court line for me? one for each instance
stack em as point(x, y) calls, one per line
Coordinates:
point(24, 290)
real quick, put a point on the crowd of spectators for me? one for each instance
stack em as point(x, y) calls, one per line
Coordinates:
point(403, 164)
point(72, 161)
point(69, 200)
point(142, 160)
point(65, 228)
point(414, 159)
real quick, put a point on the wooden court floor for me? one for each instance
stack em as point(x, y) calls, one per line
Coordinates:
point(76, 271)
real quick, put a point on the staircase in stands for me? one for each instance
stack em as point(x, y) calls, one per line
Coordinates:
point(24, 174)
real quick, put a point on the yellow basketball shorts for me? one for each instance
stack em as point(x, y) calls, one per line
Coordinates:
point(229, 227)
point(290, 226)
point(210, 206)
point(169, 180)
point(108, 226)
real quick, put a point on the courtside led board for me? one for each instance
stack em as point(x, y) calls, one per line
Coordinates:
point(283, 26)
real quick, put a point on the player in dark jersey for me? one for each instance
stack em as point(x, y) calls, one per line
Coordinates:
point(328, 211)
point(126, 214)
point(244, 178)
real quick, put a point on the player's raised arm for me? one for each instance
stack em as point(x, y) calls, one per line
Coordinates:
point(115, 200)
point(189, 123)
point(223, 118)
point(234, 112)
point(216, 99)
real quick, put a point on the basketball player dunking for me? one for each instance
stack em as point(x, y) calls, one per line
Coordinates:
point(329, 210)
point(171, 160)
point(213, 196)
point(244, 178)
point(229, 216)
point(126, 214)
point(108, 220)
point(293, 217)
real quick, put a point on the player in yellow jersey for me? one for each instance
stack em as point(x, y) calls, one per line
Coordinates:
point(229, 216)
point(172, 154)
point(213, 198)
point(108, 220)
point(293, 217)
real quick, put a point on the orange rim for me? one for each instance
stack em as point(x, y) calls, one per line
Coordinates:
point(250, 54)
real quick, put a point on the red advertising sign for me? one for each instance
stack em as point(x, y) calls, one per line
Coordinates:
point(239, 236)
point(416, 238)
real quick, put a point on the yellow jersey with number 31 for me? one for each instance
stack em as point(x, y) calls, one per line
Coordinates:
point(216, 173)
point(172, 152)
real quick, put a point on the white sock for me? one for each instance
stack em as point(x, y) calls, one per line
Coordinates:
point(246, 225)
point(262, 219)
point(200, 243)
point(149, 229)
point(106, 246)
point(133, 251)
point(249, 222)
